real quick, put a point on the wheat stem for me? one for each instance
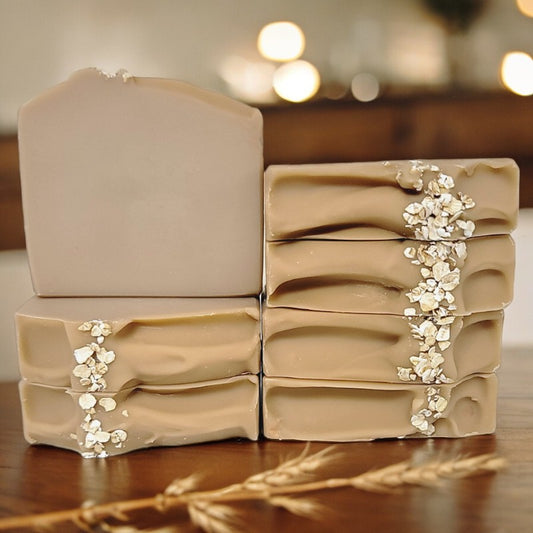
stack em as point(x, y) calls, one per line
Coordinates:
point(381, 480)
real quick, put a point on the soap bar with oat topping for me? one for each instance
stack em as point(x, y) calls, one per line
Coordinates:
point(154, 341)
point(343, 411)
point(101, 424)
point(368, 201)
point(366, 347)
point(391, 276)
point(141, 187)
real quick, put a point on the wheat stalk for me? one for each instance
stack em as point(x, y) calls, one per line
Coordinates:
point(287, 472)
point(209, 510)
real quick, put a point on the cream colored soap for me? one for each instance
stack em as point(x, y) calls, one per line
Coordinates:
point(154, 341)
point(364, 347)
point(366, 201)
point(341, 411)
point(142, 417)
point(141, 187)
point(375, 276)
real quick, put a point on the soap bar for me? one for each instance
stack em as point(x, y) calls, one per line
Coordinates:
point(387, 348)
point(353, 201)
point(141, 187)
point(140, 417)
point(153, 341)
point(301, 409)
point(376, 276)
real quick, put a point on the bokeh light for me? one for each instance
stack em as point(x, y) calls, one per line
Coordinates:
point(296, 81)
point(250, 81)
point(525, 7)
point(517, 73)
point(365, 87)
point(281, 41)
point(417, 58)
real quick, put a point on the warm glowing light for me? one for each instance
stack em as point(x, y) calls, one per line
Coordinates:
point(365, 87)
point(525, 7)
point(250, 81)
point(517, 73)
point(281, 41)
point(417, 58)
point(296, 81)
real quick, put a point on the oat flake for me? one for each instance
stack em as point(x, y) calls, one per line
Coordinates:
point(93, 363)
point(439, 220)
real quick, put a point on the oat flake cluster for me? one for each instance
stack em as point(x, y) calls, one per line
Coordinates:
point(437, 219)
point(433, 299)
point(440, 215)
point(93, 362)
point(423, 419)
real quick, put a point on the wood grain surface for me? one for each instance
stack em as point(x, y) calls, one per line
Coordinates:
point(40, 478)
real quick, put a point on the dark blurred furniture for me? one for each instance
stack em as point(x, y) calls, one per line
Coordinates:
point(403, 127)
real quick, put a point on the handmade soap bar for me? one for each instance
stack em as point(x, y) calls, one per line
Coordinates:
point(141, 187)
point(110, 424)
point(388, 348)
point(352, 201)
point(153, 341)
point(391, 276)
point(302, 409)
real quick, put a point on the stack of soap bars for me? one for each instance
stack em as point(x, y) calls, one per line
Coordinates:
point(385, 281)
point(385, 284)
point(143, 215)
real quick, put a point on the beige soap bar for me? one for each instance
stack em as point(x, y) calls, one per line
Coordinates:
point(141, 187)
point(375, 276)
point(300, 409)
point(363, 347)
point(353, 201)
point(141, 417)
point(154, 341)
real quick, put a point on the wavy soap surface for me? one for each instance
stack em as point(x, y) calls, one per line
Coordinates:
point(157, 341)
point(374, 276)
point(341, 411)
point(146, 416)
point(362, 347)
point(365, 201)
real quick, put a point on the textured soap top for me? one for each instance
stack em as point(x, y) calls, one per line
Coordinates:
point(328, 410)
point(154, 341)
point(379, 347)
point(141, 187)
point(382, 277)
point(391, 199)
point(147, 417)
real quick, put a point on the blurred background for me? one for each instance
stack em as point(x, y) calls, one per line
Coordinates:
point(336, 80)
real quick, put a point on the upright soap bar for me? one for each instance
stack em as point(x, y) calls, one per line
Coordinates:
point(153, 341)
point(324, 410)
point(391, 276)
point(352, 201)
point(103, 424)
point(386, 348)
point(141, 187)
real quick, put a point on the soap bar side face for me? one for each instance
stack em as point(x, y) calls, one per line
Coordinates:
point(142, 187)
point(158, 341)
point(299, 409)
point(363, 347)
point(144, 417)
point(375, 276)
point(361, 201)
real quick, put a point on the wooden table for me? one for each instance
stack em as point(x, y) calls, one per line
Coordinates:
point(39, 478)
